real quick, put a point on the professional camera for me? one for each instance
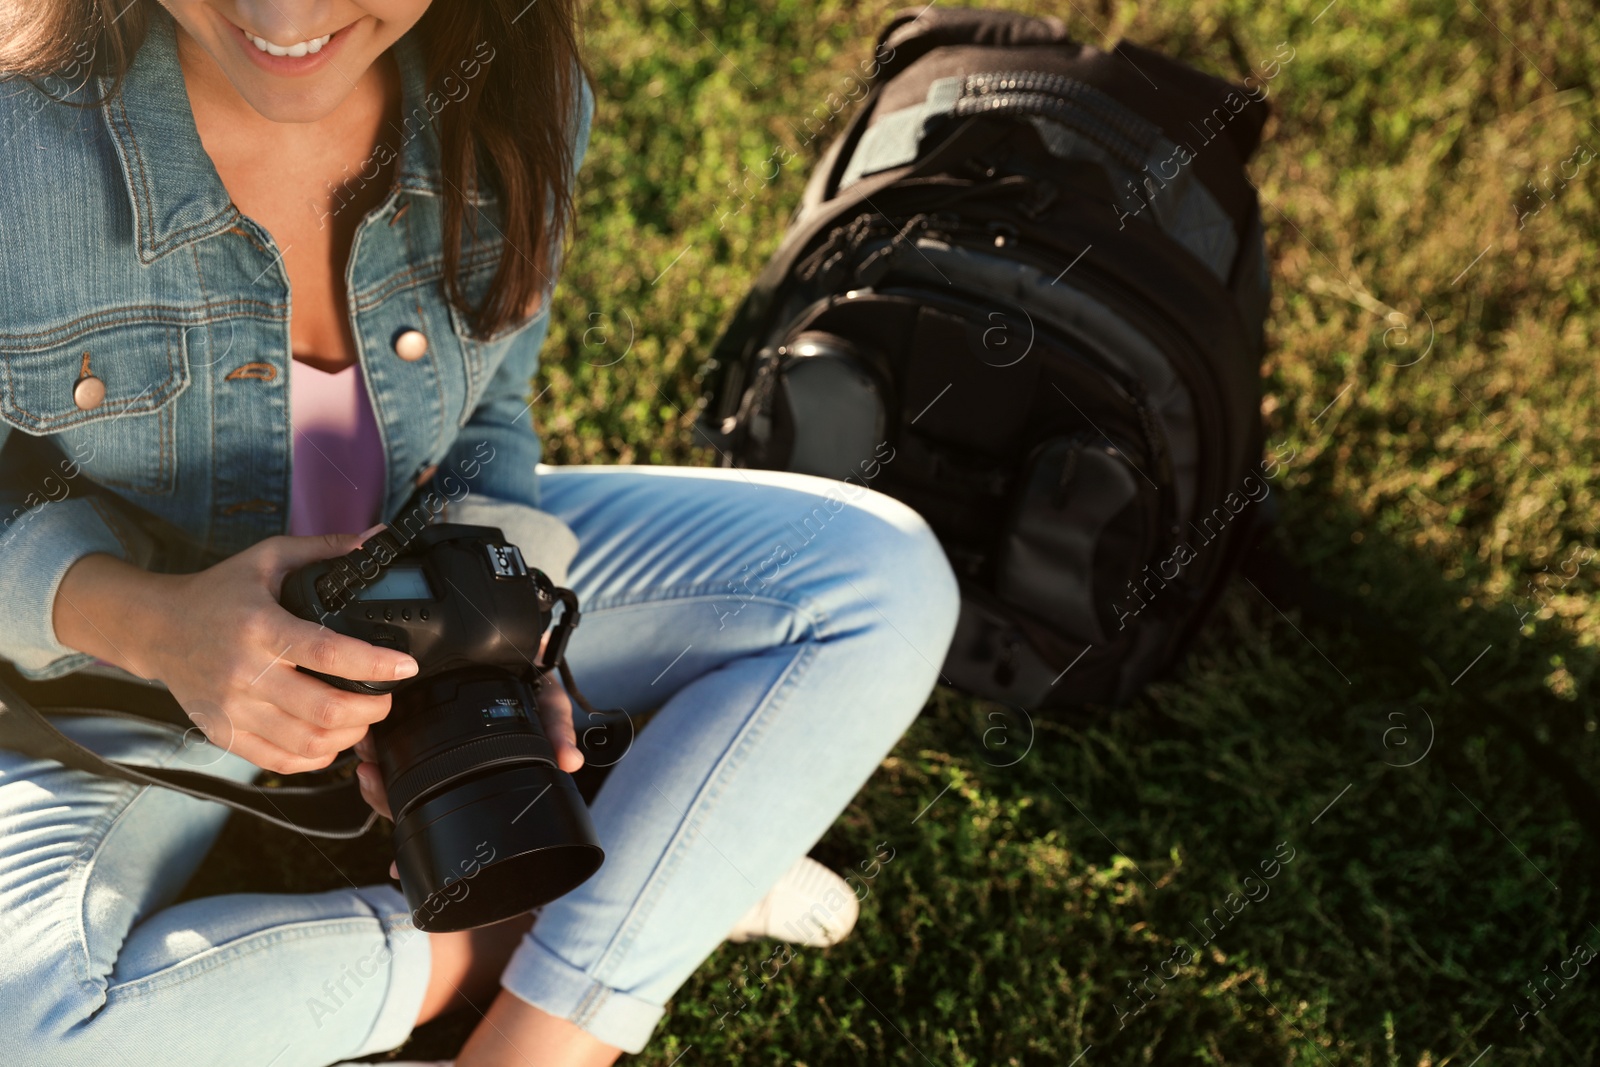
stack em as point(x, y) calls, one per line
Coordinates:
point(486, 825)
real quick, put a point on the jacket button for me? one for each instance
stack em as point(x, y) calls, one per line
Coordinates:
point(410, 345)
point(89, 393)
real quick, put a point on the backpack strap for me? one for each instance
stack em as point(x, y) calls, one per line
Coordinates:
point(333, 809)
point(915, 32)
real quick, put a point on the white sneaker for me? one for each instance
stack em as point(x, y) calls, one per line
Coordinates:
point(809, 905)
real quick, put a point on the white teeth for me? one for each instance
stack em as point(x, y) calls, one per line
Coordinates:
point(294, 51)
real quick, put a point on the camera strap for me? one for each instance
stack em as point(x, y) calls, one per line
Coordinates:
point(555, 658)
point(331, 809)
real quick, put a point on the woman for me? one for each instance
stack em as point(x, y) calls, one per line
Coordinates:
point(275, 268)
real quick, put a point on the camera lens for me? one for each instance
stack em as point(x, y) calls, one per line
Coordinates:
point(486, 825)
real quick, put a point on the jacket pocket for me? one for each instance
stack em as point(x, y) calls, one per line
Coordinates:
point(105, 392)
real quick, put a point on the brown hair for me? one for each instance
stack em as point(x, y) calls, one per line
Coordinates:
point(514, 124)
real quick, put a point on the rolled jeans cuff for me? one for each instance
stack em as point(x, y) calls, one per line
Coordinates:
point(548, 982)
point(410, 961)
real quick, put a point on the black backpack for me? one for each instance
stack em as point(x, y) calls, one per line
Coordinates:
point(1024, 294)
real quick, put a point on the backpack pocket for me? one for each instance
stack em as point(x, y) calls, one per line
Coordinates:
point(817, 407)
point(1082, 524)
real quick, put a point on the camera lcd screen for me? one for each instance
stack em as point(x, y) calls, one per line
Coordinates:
point(398, 583)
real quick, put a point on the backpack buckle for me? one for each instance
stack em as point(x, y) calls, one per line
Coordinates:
point(1003, 233)
point(1044, 197)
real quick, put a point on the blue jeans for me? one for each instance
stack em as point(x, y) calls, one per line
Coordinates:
point(788, 628)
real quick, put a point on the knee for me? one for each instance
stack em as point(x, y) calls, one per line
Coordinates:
point(53, 990)
point(41, 1003)
point(919, 565)
point(906, 574)
point(43, 986)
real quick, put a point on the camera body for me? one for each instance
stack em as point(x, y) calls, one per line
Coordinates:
point(453, 596)
point(486, 825)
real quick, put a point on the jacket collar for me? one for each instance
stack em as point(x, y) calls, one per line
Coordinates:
point(176, 195)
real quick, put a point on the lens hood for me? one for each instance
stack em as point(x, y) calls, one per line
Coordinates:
point(493, 847)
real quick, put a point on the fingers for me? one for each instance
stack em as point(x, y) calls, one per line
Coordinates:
point(222, 731)
point(361, 538)
point(284, 554)
point(276, 557)
point(234, 650)
point(306, 720)
point(319, 704)
point(555, 711)
point(372, 790)
point(264, 754)
point(302, 740)
point(318, 648)
point(310, 718)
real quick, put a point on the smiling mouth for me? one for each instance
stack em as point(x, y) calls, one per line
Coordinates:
point(294, 51)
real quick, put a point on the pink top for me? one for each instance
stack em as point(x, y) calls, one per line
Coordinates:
point(338, 474)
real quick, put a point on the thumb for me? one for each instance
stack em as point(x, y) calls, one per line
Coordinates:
point(291, 552)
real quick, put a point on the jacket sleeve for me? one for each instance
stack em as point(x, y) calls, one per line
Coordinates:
point(52, 519)
point(488, 476)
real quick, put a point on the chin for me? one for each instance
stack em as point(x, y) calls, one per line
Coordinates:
point(279, 103)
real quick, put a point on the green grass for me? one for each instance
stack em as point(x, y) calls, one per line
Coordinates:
point(1432, 365)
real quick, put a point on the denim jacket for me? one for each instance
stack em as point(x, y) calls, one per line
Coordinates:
point(144, 348)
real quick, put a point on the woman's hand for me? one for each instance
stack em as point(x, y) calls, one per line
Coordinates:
point(227, 651)
point(555, 712)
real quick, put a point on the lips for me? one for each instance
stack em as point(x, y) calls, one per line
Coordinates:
point(296, 57)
